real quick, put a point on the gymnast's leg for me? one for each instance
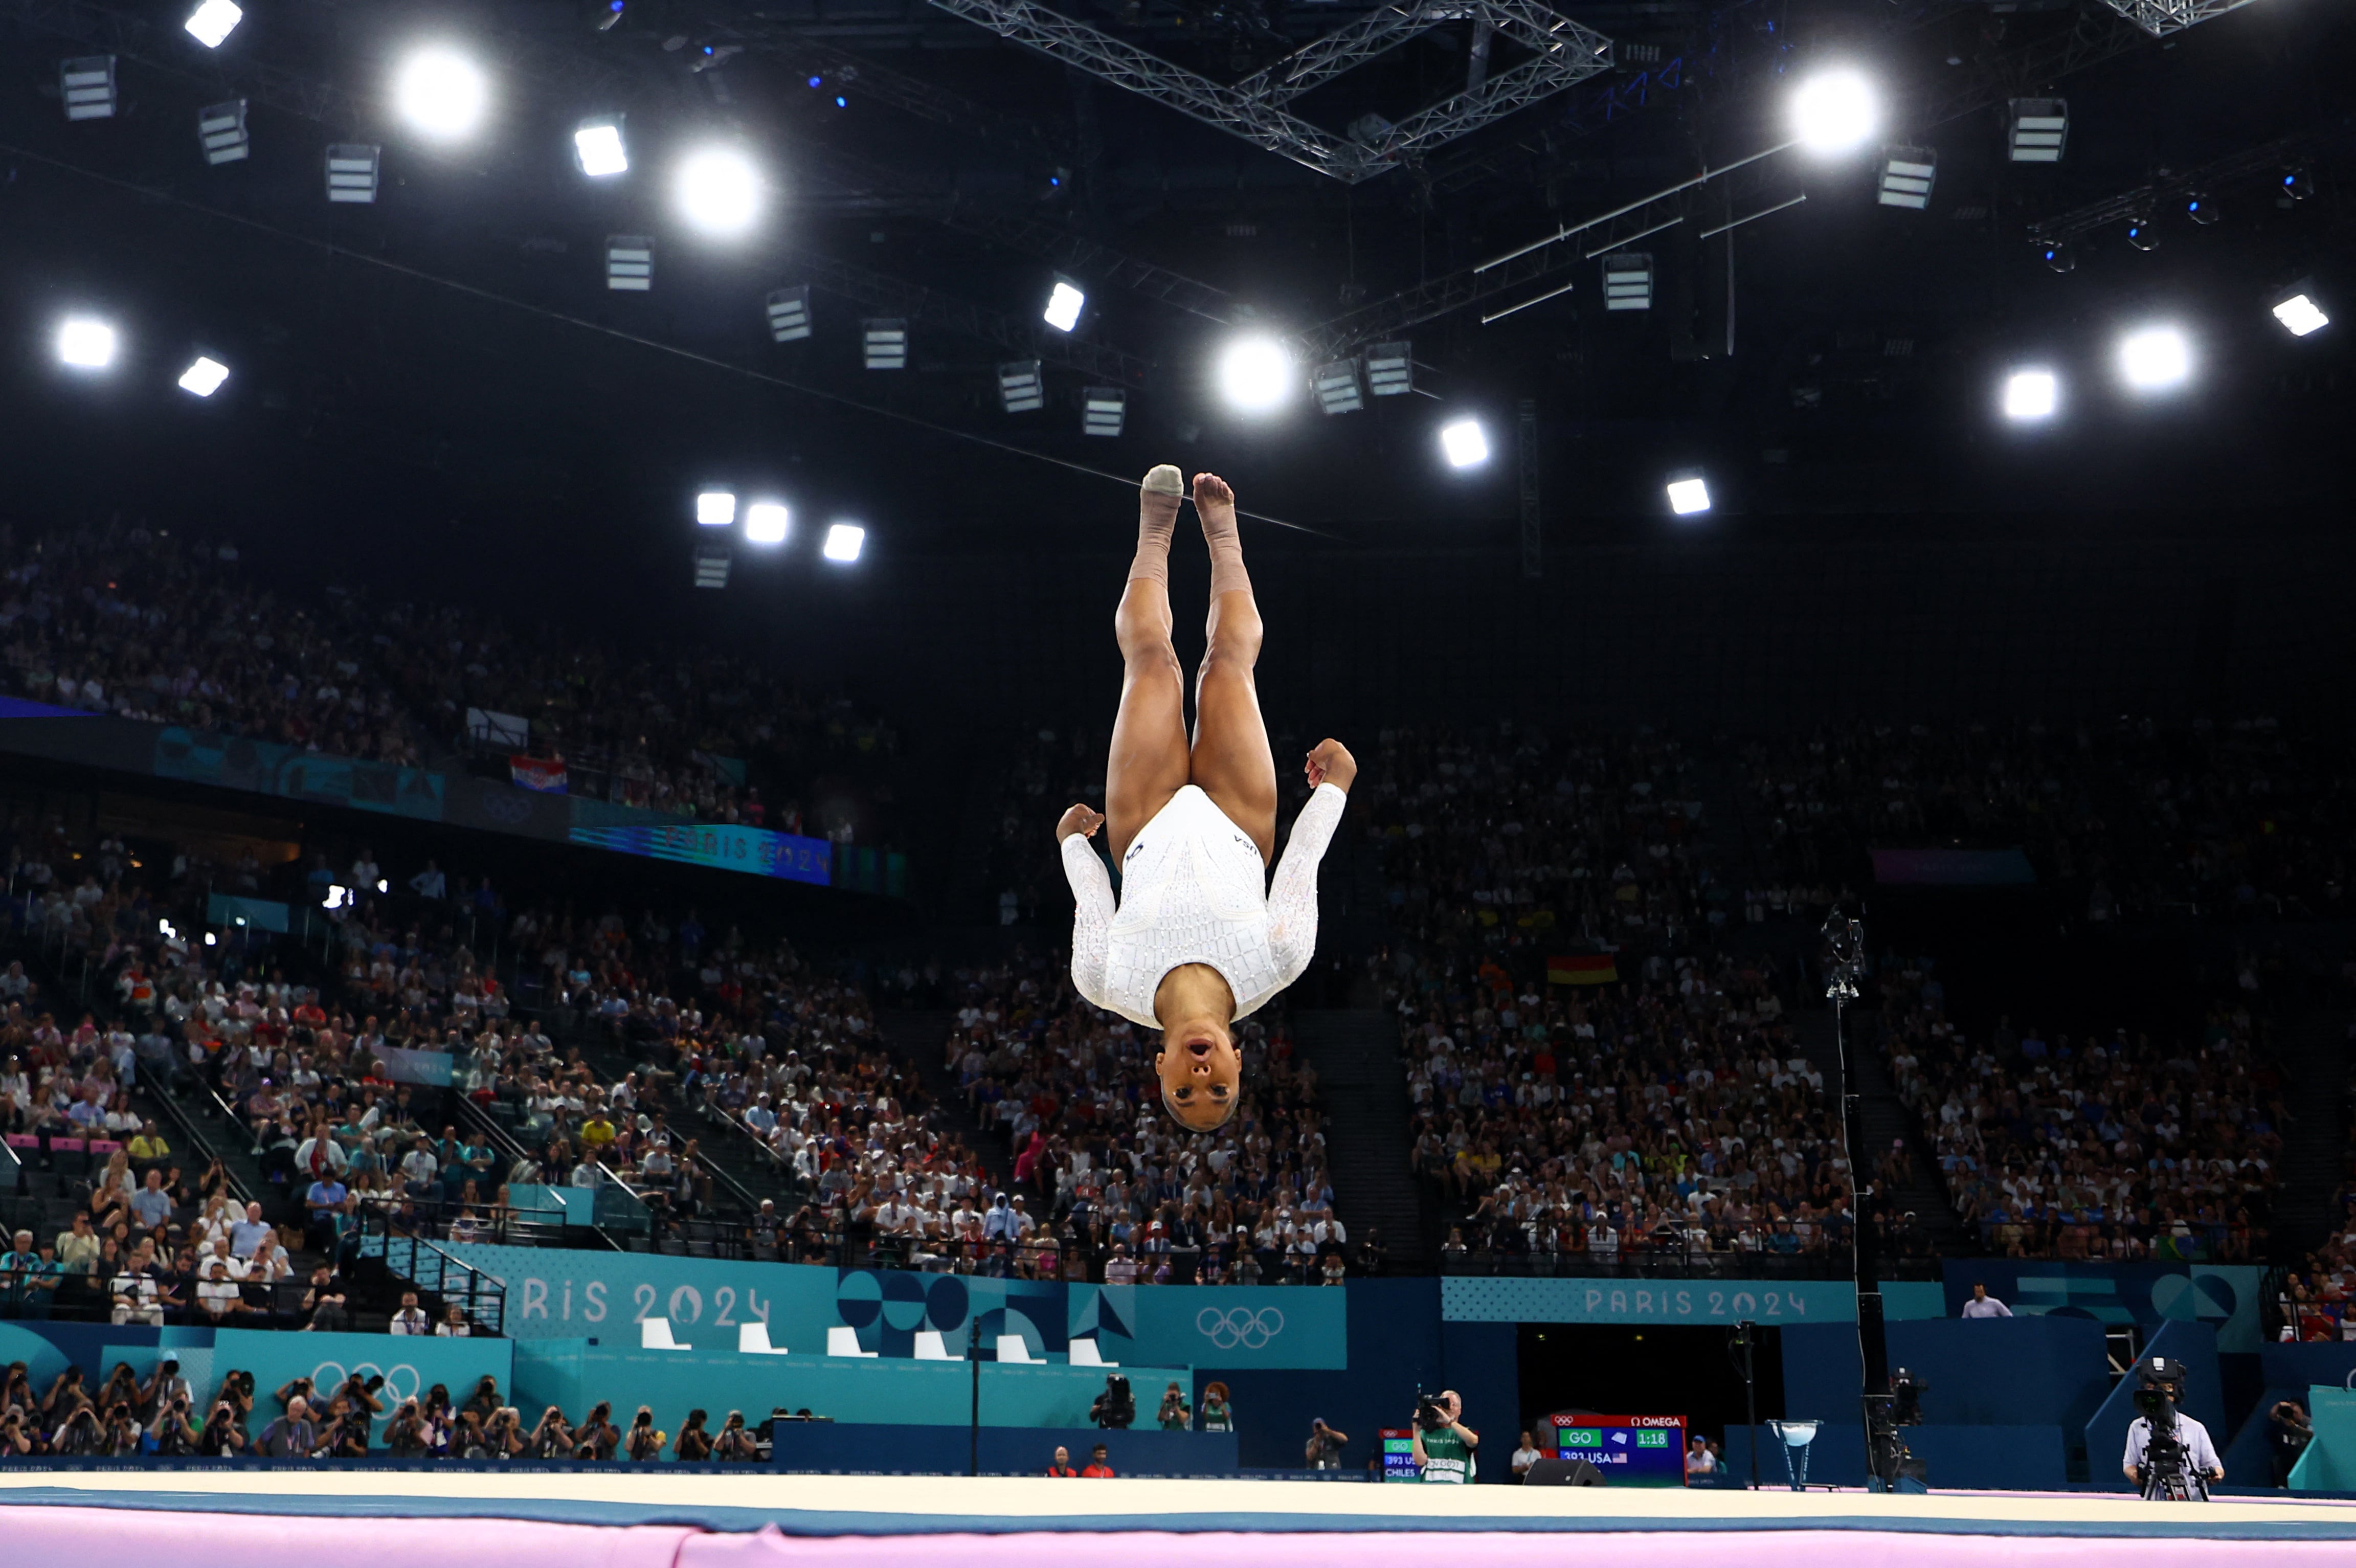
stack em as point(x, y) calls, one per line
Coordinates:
point(1231, 759)
point(1149, 756)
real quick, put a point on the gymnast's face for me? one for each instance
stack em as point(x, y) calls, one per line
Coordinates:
point(1201, 1073)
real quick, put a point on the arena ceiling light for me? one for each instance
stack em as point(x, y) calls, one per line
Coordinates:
point(2154, 359)
point(1256, 374)
point(85, 342)
point(2298, 312)
point(205, 377)
point(1688, 497)
point(715, 509)
point(211, 22)
point(2031, 394)
point(844, 541)
point(767, 522)
point(1064, 305)
point(598, 145)
point(1834, 112)
point(718, 191)
point(441, 94)
point(1464, 443)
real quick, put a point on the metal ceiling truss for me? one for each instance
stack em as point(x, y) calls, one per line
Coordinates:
point(1563, 53)
point(913, 302)
point(2092, 36)
point(2161, 17)
point(883, 84)
point(1498, 281)
point(2144, 201)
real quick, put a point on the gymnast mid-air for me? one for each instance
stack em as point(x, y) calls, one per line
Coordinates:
point(1201, 938)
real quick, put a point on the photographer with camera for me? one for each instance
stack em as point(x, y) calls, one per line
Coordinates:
point(1443, 1445)
point(175, 1428)
point(222, 1436)
point(1324, 1449)
point(1116, 1407)
point(2168, 1454)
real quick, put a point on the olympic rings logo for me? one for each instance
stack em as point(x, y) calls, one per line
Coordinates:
point(1239, 1328)
point(402, 1381)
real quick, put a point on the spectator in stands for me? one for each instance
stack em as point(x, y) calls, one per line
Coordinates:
point(1983, 1304)
point(411, 1320)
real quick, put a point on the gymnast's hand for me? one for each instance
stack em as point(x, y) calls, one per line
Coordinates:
point(1079, 819)
point(1332, 763)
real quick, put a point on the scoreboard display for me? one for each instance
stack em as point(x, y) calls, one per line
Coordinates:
point(1399, 1454)
point(1630, 1450)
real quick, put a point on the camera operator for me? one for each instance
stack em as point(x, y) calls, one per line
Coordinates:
point(1443, 1445)
point(1324, 1449)
point(2168, 1454)
point(222, 1436)
point(734, 1445)
point(175, 1429)
point(2292, 1432)
point(1116, 1407)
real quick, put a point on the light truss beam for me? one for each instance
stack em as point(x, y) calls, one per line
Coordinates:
point(1253, 109)
point(2161, 17)
point(2270, 158)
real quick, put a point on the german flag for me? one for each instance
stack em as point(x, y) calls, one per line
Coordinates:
point(1585, 969)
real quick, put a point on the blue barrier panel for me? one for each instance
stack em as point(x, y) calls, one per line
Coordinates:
point(2195, 1345)
point(2286, 1372)
point(559, 1294)
point(2006, 1372)
point(2224, 1295)
point(1824, 1374)
point(1465, 1298)
point(1990, 1458)
point(854, 1448)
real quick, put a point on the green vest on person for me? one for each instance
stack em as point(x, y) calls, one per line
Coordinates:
point(1446, 1458)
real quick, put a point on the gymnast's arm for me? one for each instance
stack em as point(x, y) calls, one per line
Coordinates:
point(1092, 898)
point(1292, 896)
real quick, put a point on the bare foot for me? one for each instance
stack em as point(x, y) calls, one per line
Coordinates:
point(1215, 502)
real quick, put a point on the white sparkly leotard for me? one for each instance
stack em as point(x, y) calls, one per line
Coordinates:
point(1191, 892)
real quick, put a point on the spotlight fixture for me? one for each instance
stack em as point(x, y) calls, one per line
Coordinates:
point(767, 522)
point(1337, 387)
point(221, 130)
point(2037, 129)
point(789, 314)
point(2154, 358)
point(1256, 374)
point(715, 509)
point(211, 22)
point(1688, 497)
point(1907, 174)
point(1103, 411)
point(2202, 209)
point(887, 344)
point(2142, 233)
point(2031, 395)
point(1390, 368)
point(1063, 305)
point(352, 171)
point(598, 145)
point(712, 564)
point(1019, 388)
point(204, 377)
point(2061, 257)
point(85, 342)
point(629, 263)
point(1834, 112)
point(1628, 281)
point(441, 94)
point(843, 543)
point(2299, 313)
point(87, 84)
point(719, 191)
point(1464, 443)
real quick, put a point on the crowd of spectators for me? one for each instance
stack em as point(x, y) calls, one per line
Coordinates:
point(2238, 821)
point(2099, 1147)
point(149, 626)
point(1102, 1184)
point(162, 1414)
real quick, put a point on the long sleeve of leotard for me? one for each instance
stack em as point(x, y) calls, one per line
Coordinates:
point(1292, 896)
point(1091, 917)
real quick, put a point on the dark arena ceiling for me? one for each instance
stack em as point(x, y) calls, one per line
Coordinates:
point(444, 376)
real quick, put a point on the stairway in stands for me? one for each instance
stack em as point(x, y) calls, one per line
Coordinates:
point(734, 1154)
point(915, 1037)
point(1363, 1089)
point(1884, 1119)
point(2314, 1051)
